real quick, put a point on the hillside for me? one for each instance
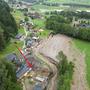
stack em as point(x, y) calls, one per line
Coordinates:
point(8, 27)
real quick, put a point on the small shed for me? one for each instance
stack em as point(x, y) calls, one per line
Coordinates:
point(85, 25)
point(29, 43)
point(12, 57)
point(18, 36)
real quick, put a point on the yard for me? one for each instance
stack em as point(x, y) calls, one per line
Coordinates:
point(10, 48)
point(85, 47)
point(44, 33)
point(39, 23)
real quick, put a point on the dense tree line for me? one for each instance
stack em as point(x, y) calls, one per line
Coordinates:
point(65, 72)
point(8, 27)
point(8, 79)
point(30, 1)
point(76, 5)
point(60, 24)
point(82, 14)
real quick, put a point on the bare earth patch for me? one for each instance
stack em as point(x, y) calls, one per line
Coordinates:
point(51, 46)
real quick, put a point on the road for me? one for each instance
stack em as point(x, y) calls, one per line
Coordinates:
point(26, 33)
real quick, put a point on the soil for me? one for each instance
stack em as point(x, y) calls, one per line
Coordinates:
point(51, 46)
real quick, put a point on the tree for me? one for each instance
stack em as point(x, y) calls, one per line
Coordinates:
point(65, 73)
point(8, 27)
point(7, 76)
point(60, 24)
point(26, 19)
point(2, 40)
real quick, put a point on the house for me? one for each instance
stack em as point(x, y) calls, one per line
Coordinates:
point(29, 43)
point(18, 36)
point(34, 15)
point(23, 71)
point(38, 86)
point(35, 38)
point(41, 79)
point(85, 25)
point(12, 57)
point(29, 25)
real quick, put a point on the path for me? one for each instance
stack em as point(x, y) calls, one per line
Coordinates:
point(26, 33)
point(50, 47)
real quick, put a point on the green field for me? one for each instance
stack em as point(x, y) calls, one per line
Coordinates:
point(85, 47)
point(39, 23)
point(21, 30)
point(44, 8)
point(71, 1)
point(18, 15)
point(11, 46)
point(44, 33)
point(40, 7)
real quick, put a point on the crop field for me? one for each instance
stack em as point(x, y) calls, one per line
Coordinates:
point(40, 7)
point(71, 1)
point(44, 8)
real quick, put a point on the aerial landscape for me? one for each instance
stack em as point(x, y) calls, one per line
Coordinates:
point(44, 44)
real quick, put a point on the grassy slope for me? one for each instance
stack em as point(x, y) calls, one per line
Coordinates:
point(85, 47)
point(9, 49)
point(39, 23)
point(11, 46)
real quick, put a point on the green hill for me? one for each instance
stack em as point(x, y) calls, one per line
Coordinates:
point(8, 27)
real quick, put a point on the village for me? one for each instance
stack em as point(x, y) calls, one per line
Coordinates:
point(37, 76)
point(36, 47)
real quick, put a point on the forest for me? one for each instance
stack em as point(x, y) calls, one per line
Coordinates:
point(8, 27)
point(62, 23)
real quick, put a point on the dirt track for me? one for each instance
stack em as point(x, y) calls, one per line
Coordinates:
point(51, 46)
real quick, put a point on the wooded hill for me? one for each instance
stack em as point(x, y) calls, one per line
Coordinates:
point(8, 27)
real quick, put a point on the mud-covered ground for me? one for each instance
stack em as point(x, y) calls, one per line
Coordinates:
point(52, 45)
